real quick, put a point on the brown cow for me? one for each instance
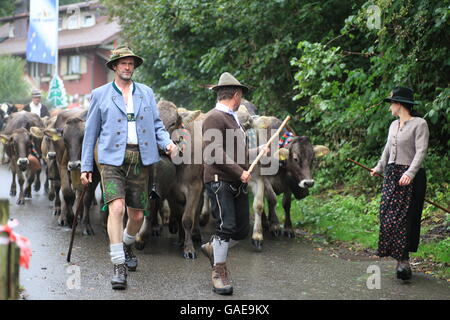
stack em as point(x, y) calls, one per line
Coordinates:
point(19, 145)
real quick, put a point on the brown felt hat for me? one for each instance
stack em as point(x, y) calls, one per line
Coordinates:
point(123, 52)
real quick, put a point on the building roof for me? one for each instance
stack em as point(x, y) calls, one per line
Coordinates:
point(102, 32)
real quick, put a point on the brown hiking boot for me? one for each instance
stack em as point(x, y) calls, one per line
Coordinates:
point(208, 251)
point(221, 283)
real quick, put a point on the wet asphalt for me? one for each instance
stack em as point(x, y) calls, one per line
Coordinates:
point(285, 269)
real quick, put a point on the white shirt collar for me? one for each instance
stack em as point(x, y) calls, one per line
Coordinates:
point(226, 109)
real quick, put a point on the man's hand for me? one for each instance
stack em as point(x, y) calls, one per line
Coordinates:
point(86, 178)
point(404, 180)
point(246, 176)
point(265, 148)
point(171, 149)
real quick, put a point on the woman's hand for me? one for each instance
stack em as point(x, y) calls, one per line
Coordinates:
point(373, 173)
point(404, 180)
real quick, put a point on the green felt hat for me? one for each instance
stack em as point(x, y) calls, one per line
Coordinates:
point(123, 52)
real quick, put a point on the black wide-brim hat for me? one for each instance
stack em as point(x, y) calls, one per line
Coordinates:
point(401, 94)
point(123, 52)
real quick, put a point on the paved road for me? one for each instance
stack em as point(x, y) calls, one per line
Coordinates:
point(286, 269)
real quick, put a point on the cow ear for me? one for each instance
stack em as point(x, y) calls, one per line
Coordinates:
point(190, 116)
point(53, 134)
point(36, 132)
point(5, 139)
point(321, 151)
point(282, 154)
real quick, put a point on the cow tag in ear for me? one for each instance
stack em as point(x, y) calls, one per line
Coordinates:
point(282, 154)
point(36, 132)
point(5, 139)
point(53, 134)
point(321, 151)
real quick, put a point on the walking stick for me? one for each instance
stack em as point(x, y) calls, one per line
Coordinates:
point(261, 153)
point(75, 222)
point(380, 175)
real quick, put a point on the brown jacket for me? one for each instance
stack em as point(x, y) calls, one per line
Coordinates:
point(226, 161)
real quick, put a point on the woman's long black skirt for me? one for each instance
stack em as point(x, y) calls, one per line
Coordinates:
point(400, 213)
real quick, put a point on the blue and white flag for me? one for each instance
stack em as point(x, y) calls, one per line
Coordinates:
point(42, 42)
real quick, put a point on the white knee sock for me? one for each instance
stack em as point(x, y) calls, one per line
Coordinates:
point(117, 254)
point(220, 250)
point(127, 239)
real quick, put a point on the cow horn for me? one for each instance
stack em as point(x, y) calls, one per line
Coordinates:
point(282, 154)
point(36, 132)
point(321, 151)
point(53, 134)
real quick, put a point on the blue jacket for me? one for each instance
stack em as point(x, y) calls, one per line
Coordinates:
point(107, 122)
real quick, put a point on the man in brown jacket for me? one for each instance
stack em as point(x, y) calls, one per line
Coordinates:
point(225, 175)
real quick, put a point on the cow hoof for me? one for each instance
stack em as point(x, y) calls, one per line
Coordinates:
point(290, 234)
point(51, 196)
point(140, 245)
point(257, 244)
point(156, 232)
point(190, 255)
point(57, 212)
point(37, 187)
point(276, 233)
point(88, 231)
point(12, 193)
point(20, 202)
point(61, 221)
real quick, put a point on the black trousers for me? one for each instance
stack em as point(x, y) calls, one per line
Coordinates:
point(230, 207)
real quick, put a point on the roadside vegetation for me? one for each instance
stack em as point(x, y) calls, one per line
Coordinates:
point(327, 63)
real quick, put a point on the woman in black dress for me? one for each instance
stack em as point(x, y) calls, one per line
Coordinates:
point(404, 185)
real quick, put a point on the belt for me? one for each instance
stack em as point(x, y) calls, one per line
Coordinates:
point(134, 147)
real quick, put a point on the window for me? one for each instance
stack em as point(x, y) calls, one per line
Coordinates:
point(74, 65)
point(88, 20)
point(33, 69)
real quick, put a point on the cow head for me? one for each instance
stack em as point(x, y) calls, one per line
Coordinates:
point(299, 157)
point(73, 134)
point(20, 144)
point(169, 115)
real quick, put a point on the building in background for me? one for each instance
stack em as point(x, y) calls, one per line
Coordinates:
point(86, 36)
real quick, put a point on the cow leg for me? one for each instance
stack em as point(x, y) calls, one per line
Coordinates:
point(21, 199)
point(88, 200)
point(196, 234)
point(30, 176)
point(67, 212)
point(156, 228)
point(50, 190)
point(144, 233)
point(258, 207)
point(288, 231)
point(206, 210)
point(274, 224)
point(13, 189)
point(47, 182)
point(194, 192)
point(37, 182)
point(57, 207)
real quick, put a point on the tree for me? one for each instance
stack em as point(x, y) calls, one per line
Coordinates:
point(13, 87)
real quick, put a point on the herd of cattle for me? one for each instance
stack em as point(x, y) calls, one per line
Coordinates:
point(177, 196)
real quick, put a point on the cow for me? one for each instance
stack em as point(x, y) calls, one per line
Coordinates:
point(67, 137)
point(294, 177)
point(49, 157)
point(181, 184)
point(20, 147)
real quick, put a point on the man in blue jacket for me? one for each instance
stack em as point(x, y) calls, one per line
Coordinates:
point(124, 118)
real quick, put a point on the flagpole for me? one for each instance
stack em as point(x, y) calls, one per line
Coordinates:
point(57, 38)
